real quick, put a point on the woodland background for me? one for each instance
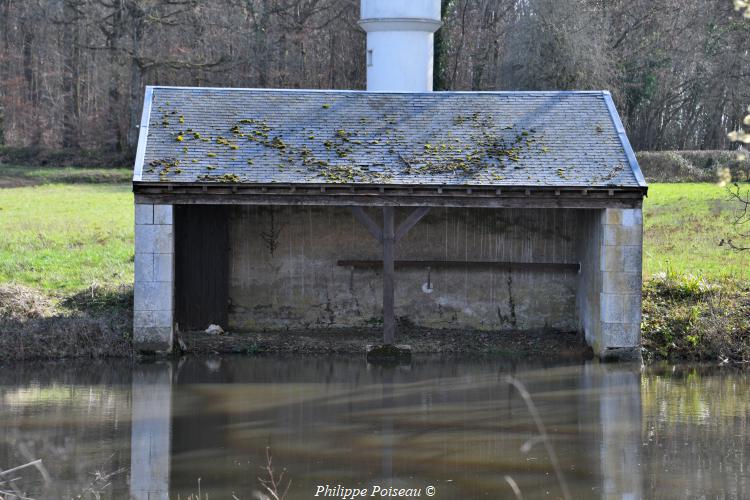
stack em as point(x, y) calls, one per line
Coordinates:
point(72, 72)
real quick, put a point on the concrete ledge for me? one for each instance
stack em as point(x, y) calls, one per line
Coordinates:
point(153, 339)
point(617, 354)
point(388, 353)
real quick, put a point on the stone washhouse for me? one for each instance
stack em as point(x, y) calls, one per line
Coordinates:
point(281, 210)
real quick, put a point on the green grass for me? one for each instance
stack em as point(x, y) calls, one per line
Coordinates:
point(11, 175)
point(65, 238)
point(683, 225)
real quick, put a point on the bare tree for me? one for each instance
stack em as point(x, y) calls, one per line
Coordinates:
point(72, 72)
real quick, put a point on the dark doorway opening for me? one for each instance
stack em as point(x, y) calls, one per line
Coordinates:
point(201, 266)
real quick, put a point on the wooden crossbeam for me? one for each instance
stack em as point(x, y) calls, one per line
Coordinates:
point(367, 221)
point(411, 221)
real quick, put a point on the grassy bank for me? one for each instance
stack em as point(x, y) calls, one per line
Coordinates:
point(66, 272)
point(683, 225)
point(688, 317)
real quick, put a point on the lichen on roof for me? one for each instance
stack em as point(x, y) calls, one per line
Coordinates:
point(338, 137)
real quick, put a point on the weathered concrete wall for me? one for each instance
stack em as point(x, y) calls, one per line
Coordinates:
point(154, 278)
point(284, 272)
point(609, 291)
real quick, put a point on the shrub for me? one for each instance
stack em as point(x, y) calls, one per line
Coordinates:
point(691, 166)
point(686, 317)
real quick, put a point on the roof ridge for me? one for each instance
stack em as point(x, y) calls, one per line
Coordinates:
point(369, 92)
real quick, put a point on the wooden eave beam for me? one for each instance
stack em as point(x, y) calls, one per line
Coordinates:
point(394, 196)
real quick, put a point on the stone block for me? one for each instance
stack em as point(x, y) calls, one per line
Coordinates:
point(144, 213)
point(632, 258)
point(163, 267)
point(612, 308)
point(622, 258)
point(144, 267)
point(611, 258)
point(153, 296)
point(621, 334)
point(632, 217)
point(153, 339)
point(163, 214)
point(152, 318)
point(622, 235)
point(612, 216)
point(154, 239)
point(632, 308)
point(621, 282)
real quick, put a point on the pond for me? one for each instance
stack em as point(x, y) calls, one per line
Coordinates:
point(456, 428)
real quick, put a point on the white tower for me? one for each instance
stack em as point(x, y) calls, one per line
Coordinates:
point(399, 43)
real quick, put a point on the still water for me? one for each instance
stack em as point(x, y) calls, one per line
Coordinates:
point(172, 429)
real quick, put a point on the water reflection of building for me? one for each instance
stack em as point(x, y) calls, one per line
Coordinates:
point(372, 426)
point(150, 447)
point(620, 421)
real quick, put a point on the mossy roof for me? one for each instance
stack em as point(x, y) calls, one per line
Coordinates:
point(258, 136)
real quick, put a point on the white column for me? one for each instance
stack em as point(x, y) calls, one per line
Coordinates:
point(400, 43)
point(153, 305)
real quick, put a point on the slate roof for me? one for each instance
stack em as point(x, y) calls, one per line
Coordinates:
point(258, 136)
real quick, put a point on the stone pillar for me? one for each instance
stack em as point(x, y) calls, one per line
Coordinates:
point(621, 266)
point(153, 305)
point(609, 291)
point(151, 431)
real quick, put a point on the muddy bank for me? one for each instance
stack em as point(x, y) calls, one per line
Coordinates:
point(92, 324)
point(422, 341)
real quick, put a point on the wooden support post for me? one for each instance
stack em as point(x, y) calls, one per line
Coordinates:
point(388, 235)
point(389, 320)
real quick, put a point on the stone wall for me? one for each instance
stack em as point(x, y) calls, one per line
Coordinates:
point(284, 272)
